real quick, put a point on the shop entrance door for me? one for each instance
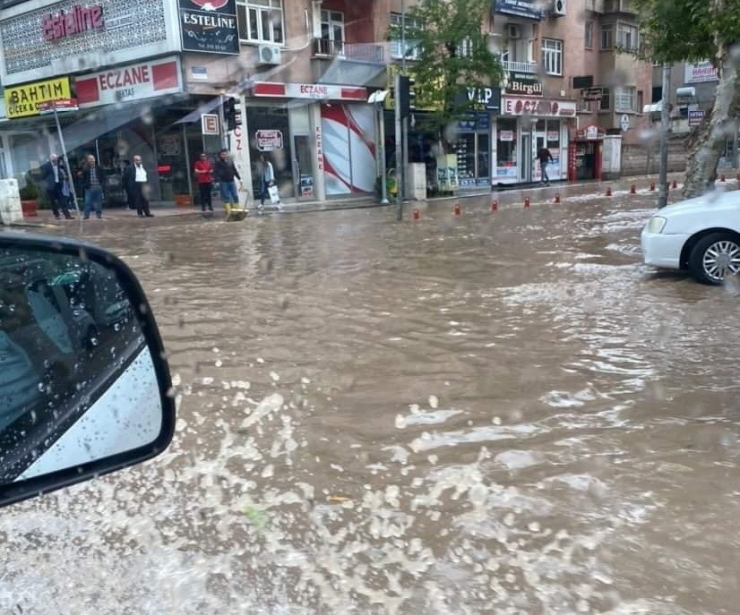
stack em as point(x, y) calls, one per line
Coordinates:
point(303, 167)
point(526, 168)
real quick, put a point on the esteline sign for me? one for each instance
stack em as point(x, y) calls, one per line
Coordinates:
point(24, 100)
point(75, 21)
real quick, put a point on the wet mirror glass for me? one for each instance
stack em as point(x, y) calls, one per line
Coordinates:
point(77, 381)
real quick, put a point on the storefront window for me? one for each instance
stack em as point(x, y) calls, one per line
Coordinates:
point(548, 135)
point(269, 134)
point(466, 159)
point(484, 157)
point(506, 158)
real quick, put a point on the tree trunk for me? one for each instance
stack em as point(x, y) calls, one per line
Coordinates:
point(705, 147)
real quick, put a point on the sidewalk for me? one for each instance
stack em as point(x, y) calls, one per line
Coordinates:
point(509, 195)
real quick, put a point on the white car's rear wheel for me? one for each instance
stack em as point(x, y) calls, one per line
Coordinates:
point(714, 258)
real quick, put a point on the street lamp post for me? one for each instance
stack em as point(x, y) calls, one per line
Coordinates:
point(665, 126)
point(400, 122)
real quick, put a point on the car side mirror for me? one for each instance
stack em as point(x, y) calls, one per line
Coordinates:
point(85, 386)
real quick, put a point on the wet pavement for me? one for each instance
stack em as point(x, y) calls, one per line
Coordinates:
point(492, 413)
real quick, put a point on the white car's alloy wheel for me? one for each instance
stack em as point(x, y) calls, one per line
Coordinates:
point(715, 257)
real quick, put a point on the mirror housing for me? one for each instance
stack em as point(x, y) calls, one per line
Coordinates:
point(85, 387)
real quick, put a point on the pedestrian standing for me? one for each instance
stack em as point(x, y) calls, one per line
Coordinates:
point(226, 174)
point(54, 176)
point(545, 158)
point(92, 183)
point(128, 185)
point(137, 179)
point(268, 178)
point(204, 179)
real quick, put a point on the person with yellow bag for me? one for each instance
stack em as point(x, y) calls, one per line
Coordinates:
point(225, 173)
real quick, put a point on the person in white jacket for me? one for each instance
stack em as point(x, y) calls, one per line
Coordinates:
point(268, 178)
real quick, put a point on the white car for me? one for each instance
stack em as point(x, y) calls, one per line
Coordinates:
point(699, 235)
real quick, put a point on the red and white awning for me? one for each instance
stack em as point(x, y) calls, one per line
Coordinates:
point(315, 91)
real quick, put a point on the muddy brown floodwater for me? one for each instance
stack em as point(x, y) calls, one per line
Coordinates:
point(497, 413)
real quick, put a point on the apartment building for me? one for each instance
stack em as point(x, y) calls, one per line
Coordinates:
point(571, 78)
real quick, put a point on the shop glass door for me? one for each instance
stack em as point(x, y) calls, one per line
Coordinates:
point(526, 168)
point(303, 166)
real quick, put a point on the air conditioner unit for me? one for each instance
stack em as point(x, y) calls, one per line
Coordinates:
point(269, 54)
point(513, 30)
point(558, 8)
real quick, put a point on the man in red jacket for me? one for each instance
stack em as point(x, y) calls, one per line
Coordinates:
point(204, 178)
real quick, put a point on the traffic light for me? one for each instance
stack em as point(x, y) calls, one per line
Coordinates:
point(232, 114)
point(406, 98)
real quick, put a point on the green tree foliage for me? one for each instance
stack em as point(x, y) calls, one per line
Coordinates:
point(689, 30)
point(694, 30)
point(453, 55)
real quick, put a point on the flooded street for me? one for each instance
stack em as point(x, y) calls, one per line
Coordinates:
point(498, 413)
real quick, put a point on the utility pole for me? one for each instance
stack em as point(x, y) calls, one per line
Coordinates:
point(400, 121)
point(665, 127)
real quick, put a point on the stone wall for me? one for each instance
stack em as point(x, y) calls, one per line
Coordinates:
point(644, 158)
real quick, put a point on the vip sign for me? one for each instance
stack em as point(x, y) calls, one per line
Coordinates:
point(24, 100)
point(132, 82)
point(487, 98)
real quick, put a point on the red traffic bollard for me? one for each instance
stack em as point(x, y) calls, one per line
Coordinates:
point(652, 186)
point(557, 197)
point(416, 214)
point(458, 211)
point(722, 178)
point(494, 206)
point(527, 202)
point(633, 189)
point(738, 177)
point(608, 191)
point(675, 184)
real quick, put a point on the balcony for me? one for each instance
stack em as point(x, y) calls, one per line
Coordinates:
point(342, 63)
point(353, 52)
point(625, 7)
point(520, 67)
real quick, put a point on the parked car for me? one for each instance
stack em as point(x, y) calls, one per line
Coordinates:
point(699, 235)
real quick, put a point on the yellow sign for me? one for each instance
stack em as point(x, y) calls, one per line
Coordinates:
point(390, 101)
point(23, 100)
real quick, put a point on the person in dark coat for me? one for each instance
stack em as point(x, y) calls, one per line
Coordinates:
point(92, 184)
point(53, 177)
point(545, 157)
point(226, 174)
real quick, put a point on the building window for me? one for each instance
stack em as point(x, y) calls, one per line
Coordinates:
point(260, 21)
point(465, 49)
point(332, 32)
point(606, 100)
point(627, 38)
point(624, 99)
point(640, 101)
point(607, 36)
point(588, 35)
point(552, 56)
point(412, 47)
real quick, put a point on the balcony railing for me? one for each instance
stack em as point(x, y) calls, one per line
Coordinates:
point(356, 52)
point(620, 6)
point(519, 67)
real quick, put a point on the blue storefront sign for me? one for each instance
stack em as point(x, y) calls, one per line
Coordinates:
point(529, 9)
point(695, 117)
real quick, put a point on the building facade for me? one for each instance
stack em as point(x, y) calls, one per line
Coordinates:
point(151, 76)
point(144, 73)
